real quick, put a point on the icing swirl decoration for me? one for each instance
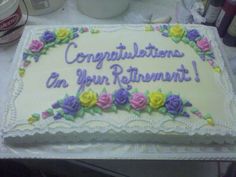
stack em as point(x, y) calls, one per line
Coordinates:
point(73, 107)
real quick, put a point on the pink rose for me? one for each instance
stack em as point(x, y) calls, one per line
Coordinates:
point(204, 44)
point(104, 101)
point(138, 101)
point(36, 46)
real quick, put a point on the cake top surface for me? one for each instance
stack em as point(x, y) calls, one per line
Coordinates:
point(121, 77)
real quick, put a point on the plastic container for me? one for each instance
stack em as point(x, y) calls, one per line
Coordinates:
point(226, 15)
point(10, 17)
point(212, 11)
point(102, 8)
point(230, 36)
point(41, 7)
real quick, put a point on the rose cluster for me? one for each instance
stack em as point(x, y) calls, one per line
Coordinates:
point(138, 101)
point(51, 36)
point(178, 32)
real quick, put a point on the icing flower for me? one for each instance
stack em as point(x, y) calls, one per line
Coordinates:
point(36, 46)
point(176, 31)
point(48, 36)
point(192, 34)
point(204, 44)
point(121, 97)
point(104, 101)
point(62, 33)
point(138, 101)
point(70, 105)
point(174, 105)
point(156, 99)
point(88, 98)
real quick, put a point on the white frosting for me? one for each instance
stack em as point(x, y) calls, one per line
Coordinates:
point(213, 94)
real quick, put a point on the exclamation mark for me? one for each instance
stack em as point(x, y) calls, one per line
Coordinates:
point(197, 79)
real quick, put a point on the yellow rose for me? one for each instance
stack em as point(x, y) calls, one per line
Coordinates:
point(62, 33)
point(156, 99)
point(88, 98)
point(210, 121)
point(176, 31)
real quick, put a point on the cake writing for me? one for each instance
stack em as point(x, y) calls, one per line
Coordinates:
point(120, 76)
point(123, 78)
point(150, 51)
point(55, 82)
point(180, 75)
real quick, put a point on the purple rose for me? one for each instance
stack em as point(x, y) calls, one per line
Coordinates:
point(48, 36)
point(174, 105)
point(121, 97)
point(192, 34)
point(104, 101)
point(36, 46)
point(70, 105)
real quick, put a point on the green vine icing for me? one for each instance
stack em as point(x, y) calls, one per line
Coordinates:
point(134, 102)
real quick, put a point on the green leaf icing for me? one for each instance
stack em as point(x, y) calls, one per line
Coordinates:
point(69, 117)
point(137, 113)
point(97, 110)
point(162, 110)
point(80, 113)
point(114, 108)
